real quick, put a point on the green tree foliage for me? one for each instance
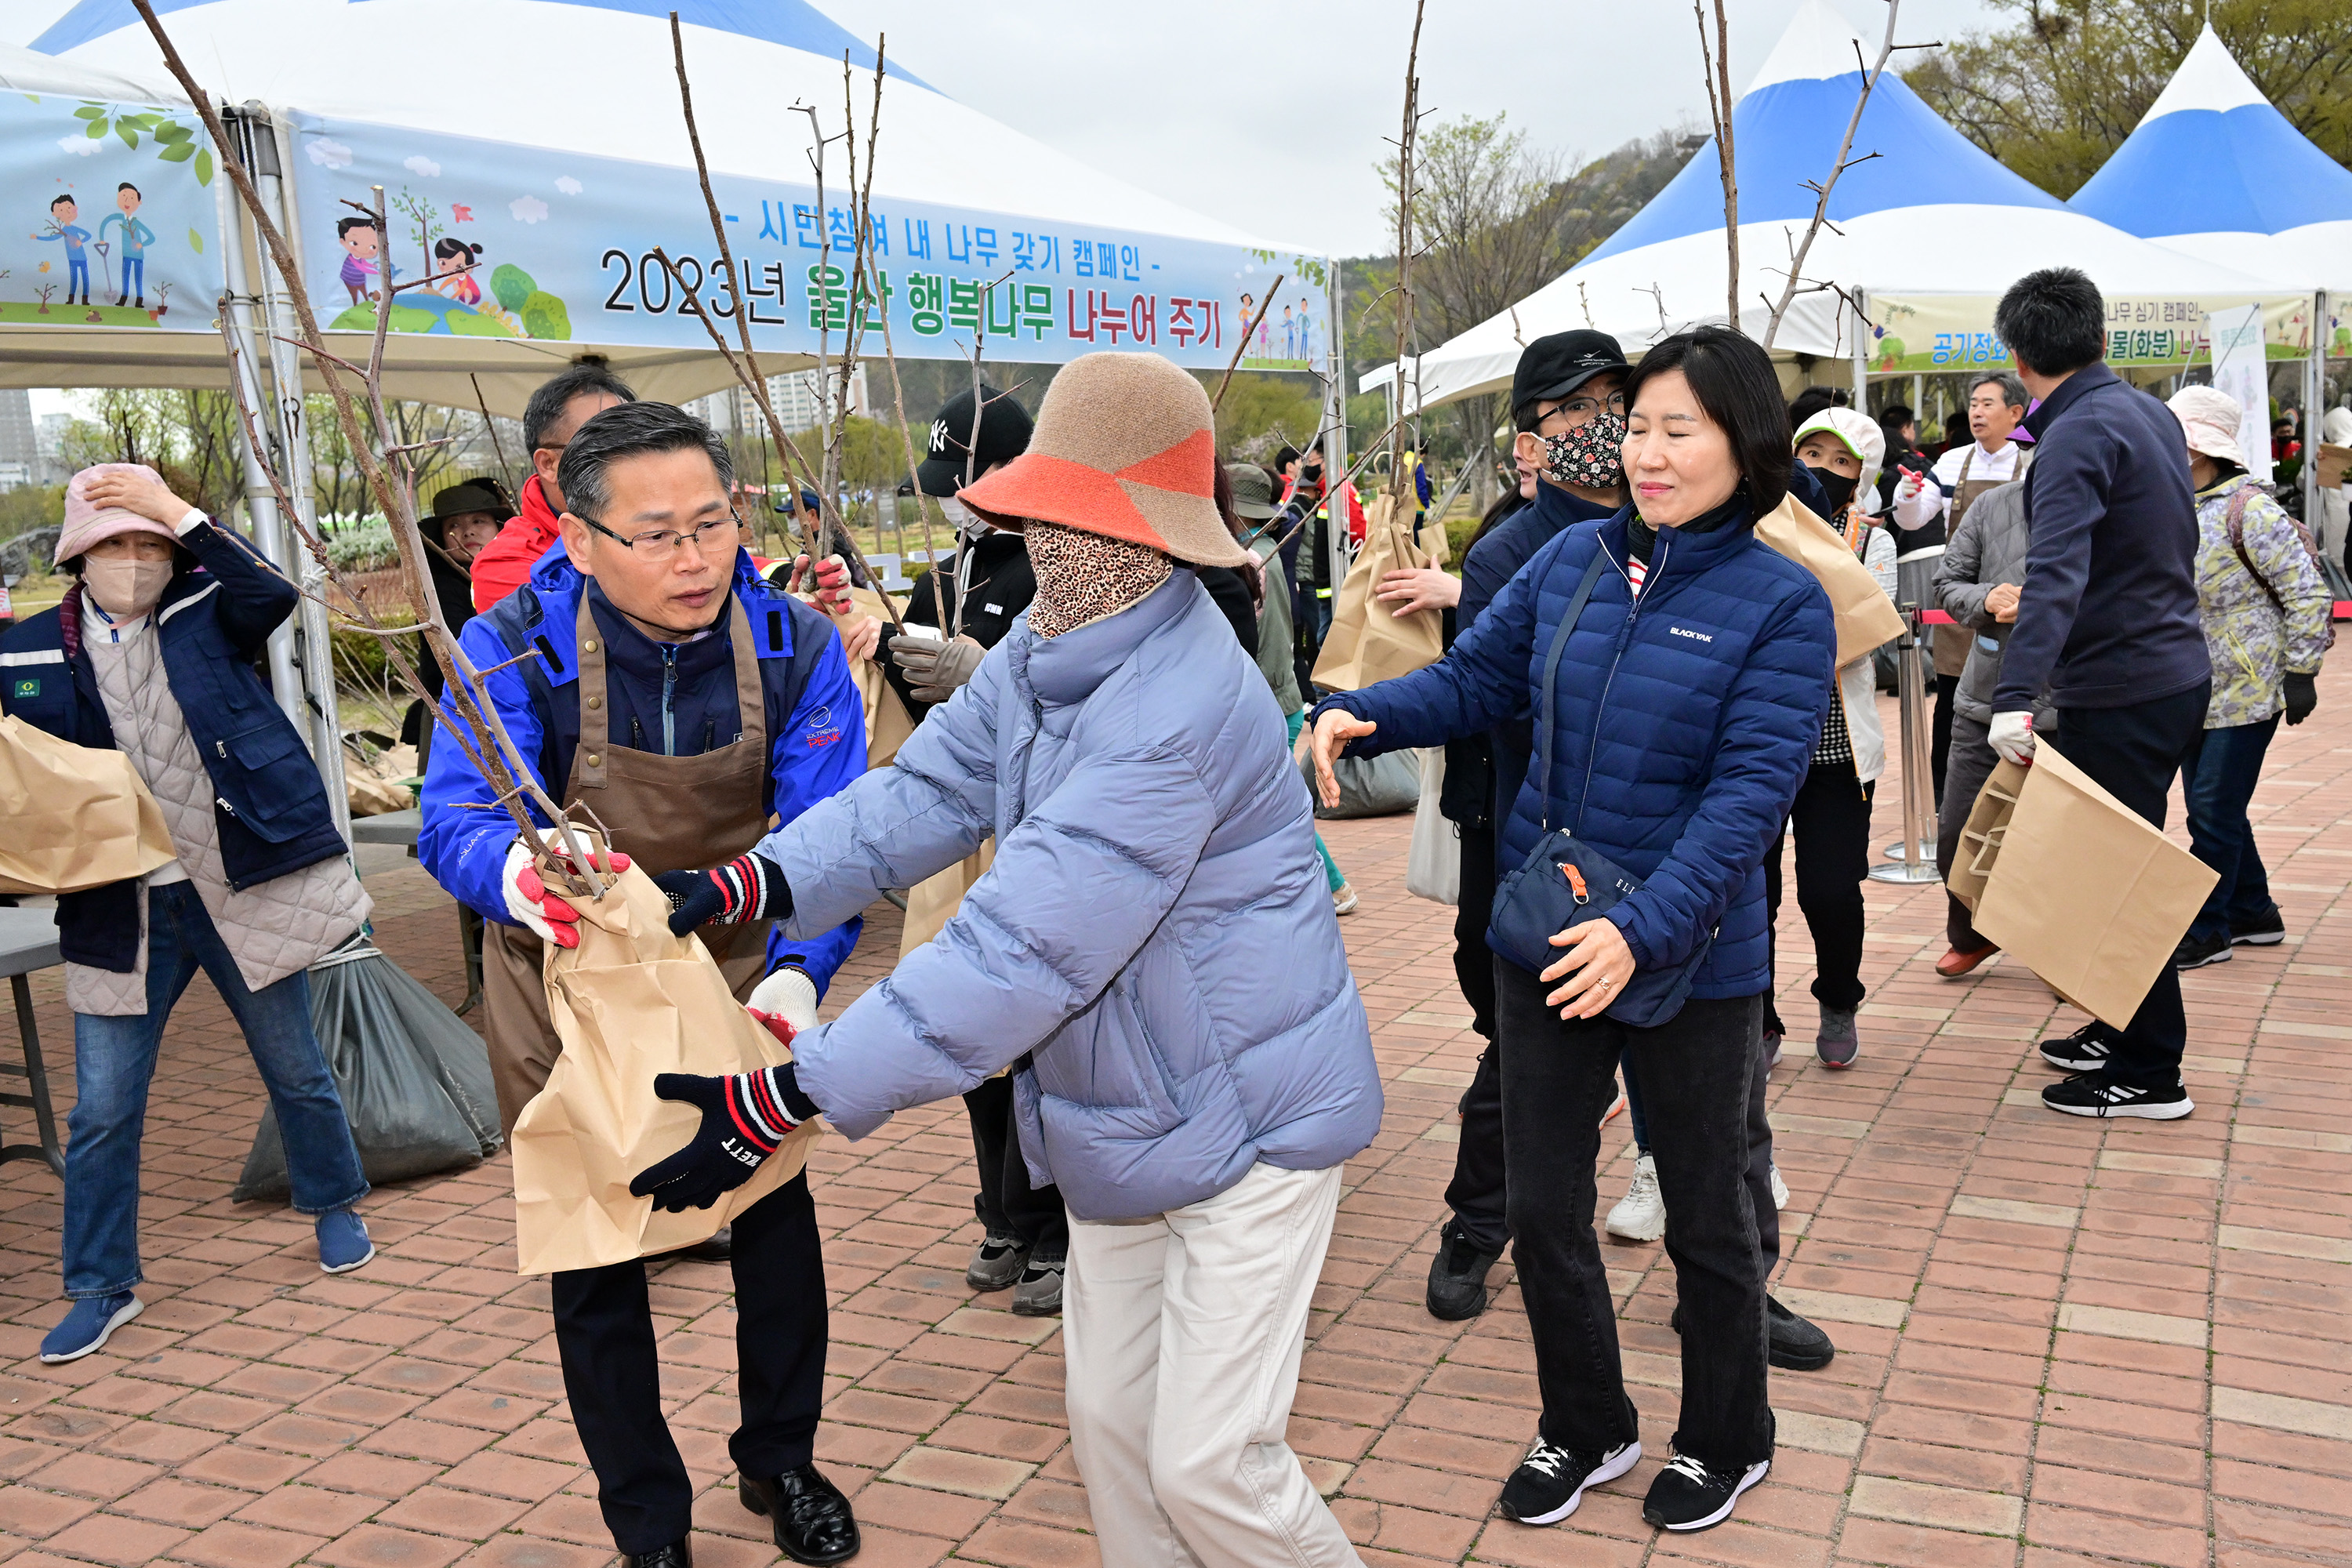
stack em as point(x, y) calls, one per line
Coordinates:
point(2055, 92)
point(188, 437)
point(1262, 413)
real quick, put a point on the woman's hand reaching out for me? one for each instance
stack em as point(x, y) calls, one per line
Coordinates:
point(1596, 967)
point(1421, 588)
point(1326, 738)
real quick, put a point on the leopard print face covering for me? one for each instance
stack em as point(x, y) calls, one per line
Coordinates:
point(1083, 577)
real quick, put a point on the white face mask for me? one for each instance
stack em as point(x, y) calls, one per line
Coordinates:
point(968, 523)
point(124, 588)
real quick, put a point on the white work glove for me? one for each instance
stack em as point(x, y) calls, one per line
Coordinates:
point(790, 994)
point(530, 904)
point(2013, 738)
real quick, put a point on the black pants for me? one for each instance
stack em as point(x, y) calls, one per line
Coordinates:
point(1831, 821)
point(1698, 1071)
point(1476, 1193)
point(1939, 728)
point(604, 1334)
point(1007, 1204)
point(2132, 753)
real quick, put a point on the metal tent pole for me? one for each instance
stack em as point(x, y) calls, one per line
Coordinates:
point(314, 647)
point(2314, 398)
point(1335, 435)
point(260, 499)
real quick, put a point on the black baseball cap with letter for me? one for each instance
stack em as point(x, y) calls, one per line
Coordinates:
point(1557, 365)
point(1005, 431)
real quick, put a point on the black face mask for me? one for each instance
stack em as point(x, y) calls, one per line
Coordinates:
point(1838, 486)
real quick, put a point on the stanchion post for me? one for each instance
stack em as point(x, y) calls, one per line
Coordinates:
point(1913, 860)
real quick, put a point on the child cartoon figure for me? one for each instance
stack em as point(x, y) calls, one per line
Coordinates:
point(1289, 334)
point(136, 237)
point(453, 279)
point(1249, 309)
point(63, 210)
point(362, 246)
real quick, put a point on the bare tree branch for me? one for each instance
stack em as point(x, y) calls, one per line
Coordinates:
point(1838, 165)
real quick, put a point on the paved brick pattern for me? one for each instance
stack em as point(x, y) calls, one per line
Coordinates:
point(2059, 1342)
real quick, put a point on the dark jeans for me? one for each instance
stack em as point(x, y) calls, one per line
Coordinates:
point(1476, 1193)
point(1972, 763)
point(1831, 821)
point(1939, 728)
point(1759, 1151)
point(1007, 1204)
point(2221, 775)
point(604, 1335)
point(2133, 753)
point(1558, 1079)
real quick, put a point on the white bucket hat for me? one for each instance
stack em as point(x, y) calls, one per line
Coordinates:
point(1859, 434)
point(2209, 418)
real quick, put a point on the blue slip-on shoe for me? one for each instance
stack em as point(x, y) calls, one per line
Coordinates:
point(343, 1243)
point(87, 1327)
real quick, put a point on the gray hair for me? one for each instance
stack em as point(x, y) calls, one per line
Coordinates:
point(2012, 391)
point(632, 430)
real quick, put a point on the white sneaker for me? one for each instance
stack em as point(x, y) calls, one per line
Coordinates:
point(1343, 899)
point(1641, 1214)
point(1780, 1189)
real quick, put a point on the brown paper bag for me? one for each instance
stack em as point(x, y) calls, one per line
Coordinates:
point(1367, 642)
point(888, 723)
point(1981, 837)
point(72, 817)
point(629, 1001)
point(2334, 462)
point(1865, 616)
point(933, 902)
point(2086, 894)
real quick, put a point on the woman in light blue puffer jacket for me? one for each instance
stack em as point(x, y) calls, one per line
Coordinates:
point(1153, 951)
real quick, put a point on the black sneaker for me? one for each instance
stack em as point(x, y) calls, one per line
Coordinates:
point(1791, 1342)
point(1550, 1481)
point(2092, 1094)
point(1689, 1495)
point(2265, 933)
point(2085, 1050)
point(2197, 951)
point(996, 1263)
point(1457, 1276)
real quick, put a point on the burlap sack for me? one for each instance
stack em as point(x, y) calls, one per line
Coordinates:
point(933, 902)
point(887, 724)
point(72, 817)
point(2085, 893)
point(1865, 615)
point(1981, 836)
point(629, 1001)
point(1366, 641)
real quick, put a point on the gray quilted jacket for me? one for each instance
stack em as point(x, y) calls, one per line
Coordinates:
point(1154, 949)
point(1988, 549)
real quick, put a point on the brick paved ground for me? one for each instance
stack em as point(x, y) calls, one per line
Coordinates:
point(2059, 1342)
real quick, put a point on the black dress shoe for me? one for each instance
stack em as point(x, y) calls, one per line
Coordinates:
point(678, 1553)
point(716, 1248)
point(813, 1521)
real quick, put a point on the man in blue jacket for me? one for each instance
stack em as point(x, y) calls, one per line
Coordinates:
point(2108, 619)
point(659, 681)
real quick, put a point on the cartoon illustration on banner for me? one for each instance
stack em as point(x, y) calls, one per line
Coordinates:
point(567, 254)
point(112, 215)
point(1934, 332)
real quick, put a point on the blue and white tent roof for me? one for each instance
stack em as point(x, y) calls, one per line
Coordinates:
point(2214, 169)
point(594, 77)
point(1932, 213)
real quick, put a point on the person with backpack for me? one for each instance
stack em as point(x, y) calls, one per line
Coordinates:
point(2266, 613)
point(689, 704)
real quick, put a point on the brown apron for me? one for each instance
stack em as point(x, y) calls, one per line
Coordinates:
point(667, 813)
point(1952, 642)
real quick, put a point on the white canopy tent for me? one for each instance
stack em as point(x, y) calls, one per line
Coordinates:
point(591, 90)
point(1931, 215)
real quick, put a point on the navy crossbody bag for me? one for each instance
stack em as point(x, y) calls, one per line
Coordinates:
point(1565, 882)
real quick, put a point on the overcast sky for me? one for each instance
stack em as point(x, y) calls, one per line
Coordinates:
point(1270, 113)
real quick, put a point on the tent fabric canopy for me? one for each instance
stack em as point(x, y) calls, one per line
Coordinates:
point(1932, 213)
point(2214, 169)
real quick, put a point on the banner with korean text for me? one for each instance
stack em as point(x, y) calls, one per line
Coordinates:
point(1933, 334)
point(522, 243)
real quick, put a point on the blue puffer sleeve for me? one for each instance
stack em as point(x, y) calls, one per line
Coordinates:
point(1075, 891)
point(463, 842)
point(821, 753)
point(1771, 720)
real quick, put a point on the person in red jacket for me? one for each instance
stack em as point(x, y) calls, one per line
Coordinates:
point(569, 400)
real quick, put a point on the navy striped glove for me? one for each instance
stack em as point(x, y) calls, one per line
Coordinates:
point(748, 887)
point(744, 1117)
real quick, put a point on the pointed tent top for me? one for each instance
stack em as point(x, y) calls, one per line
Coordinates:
point(2210, 78)
point(1785, 132)
point(1818, 44)
point(2214, 157)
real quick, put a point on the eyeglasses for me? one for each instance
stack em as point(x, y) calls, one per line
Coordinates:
point(1582, 407)
point(716, 537)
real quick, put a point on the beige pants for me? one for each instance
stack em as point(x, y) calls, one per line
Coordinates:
point(1182, 1335)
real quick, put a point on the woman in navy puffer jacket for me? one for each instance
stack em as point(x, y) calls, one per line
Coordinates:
point(1689, 698)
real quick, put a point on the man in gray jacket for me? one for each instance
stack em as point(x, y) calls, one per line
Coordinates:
point(1976, 583)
